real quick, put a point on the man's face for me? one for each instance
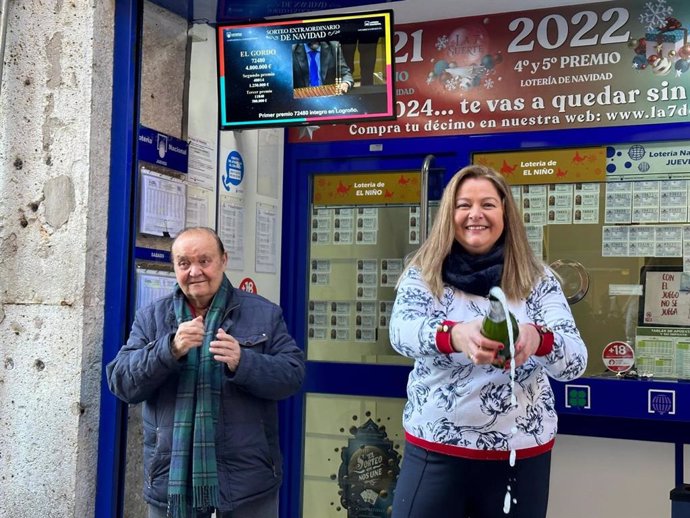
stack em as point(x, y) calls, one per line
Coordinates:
point(199, 266)
point(314, 45)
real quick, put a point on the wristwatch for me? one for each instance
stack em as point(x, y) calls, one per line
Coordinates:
point(546, 339)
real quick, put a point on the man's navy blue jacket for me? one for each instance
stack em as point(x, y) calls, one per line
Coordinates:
point(271, 368)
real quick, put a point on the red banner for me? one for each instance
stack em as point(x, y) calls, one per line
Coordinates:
point(604, 64)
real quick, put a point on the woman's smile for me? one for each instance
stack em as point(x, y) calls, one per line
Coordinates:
point(478, 215)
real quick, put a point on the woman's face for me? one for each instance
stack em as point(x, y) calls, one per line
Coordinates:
point(478, 216)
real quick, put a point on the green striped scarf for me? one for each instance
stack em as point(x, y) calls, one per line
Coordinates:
point(196, 414)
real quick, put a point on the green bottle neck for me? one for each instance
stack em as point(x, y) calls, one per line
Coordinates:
point(496, 312)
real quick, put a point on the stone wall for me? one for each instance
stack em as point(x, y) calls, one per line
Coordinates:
point(55, 113)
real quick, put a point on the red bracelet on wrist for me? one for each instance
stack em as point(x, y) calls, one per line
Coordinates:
point(443, 339)
point(546, 340)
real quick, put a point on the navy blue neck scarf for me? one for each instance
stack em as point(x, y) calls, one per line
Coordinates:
point(475, 274)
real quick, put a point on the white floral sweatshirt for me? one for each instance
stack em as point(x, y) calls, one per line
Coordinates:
point(459, 408)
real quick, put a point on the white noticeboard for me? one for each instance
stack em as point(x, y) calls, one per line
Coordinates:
point(266, 253)
point(152, 285)
point(163, 204)
point(231, 231)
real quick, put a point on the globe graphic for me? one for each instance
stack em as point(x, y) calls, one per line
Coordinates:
point(643, 167)
point(662, 403)
point(636, 152)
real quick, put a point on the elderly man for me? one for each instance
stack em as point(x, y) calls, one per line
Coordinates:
point(209, 362)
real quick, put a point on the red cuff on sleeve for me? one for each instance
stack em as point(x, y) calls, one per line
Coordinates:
point(547, 338)
point(443, 342)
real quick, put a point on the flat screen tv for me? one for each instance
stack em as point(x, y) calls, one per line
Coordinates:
point(332, 69)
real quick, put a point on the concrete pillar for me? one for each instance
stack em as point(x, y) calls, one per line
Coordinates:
point(55, 114)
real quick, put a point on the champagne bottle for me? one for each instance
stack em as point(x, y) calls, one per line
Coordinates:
point(495, 326)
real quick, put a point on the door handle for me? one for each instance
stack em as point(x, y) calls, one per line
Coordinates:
point(424, 198)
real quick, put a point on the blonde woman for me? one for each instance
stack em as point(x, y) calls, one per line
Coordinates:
point(478, 445)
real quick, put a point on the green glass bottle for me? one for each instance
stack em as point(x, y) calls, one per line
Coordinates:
point(494, 326)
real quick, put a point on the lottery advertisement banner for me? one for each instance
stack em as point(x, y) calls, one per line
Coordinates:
point(367, 189)
point(602, 64)
point(551, 166)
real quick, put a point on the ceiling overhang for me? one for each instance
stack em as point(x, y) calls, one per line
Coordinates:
point(228, 11)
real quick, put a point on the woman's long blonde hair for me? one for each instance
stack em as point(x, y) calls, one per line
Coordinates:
point(521, 268)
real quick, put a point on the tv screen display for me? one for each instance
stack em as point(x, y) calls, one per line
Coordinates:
point(330, 69)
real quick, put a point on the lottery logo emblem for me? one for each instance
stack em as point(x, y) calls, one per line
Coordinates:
point(577, 396)
point(162, 145)
point(662, 402)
